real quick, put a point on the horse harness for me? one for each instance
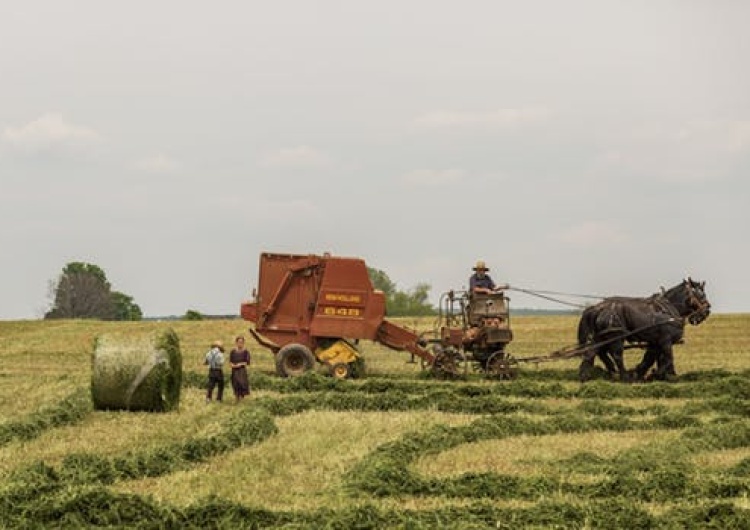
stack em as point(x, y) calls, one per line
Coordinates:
point(664, 312)
point(664, 307)
point(699, 305)
point(613, 318)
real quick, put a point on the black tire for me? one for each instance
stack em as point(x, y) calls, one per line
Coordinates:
point(294, 360)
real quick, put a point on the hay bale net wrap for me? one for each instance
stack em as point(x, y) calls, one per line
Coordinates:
point(137, 372)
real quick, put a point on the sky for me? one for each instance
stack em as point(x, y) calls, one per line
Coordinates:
point(595, 147)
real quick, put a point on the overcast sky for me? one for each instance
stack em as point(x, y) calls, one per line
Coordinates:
point(597, 147)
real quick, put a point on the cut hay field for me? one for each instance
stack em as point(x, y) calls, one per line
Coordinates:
point(395, 449)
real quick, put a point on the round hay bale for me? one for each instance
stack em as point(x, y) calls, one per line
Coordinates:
point(137, 373)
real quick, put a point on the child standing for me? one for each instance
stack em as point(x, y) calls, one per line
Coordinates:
point(215, 360)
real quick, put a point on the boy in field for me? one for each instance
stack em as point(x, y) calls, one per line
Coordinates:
point(215, 360)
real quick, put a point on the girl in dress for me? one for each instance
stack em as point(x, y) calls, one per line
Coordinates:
point(239, 358)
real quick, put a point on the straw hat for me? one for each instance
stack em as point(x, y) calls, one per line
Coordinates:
point(480, 266)
point(218, 344)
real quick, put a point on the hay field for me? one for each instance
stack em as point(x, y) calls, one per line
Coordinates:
point(393, 450)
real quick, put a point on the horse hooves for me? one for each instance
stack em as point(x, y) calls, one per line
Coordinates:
point(660, 376)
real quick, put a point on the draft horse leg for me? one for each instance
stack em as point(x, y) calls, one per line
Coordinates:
point(607, 356)
point(650, 357)
point(661, 355)
point(665, 363)
point(616, 351)
point(587, 364)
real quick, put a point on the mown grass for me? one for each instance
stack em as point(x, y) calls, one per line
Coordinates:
point(288, 470)
point(531, 455)
point(395, 449)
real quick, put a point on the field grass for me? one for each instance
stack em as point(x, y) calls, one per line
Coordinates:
point(394, 449)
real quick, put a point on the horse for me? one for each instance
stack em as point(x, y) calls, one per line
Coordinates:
point(657, 321)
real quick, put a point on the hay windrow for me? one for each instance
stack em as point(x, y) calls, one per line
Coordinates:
point(142, 373)
point(73, 495)
point(646, 474)
point(67, 411)
point(736, 386)
point(454, 401)
point(247, 427)
point(98, 507)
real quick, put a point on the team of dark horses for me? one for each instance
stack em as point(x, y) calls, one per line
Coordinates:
point(655, 323)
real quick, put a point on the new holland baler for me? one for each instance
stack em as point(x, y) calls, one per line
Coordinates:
point(310, 308)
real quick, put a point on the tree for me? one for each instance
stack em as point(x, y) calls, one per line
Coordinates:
point(125, 307)
point(381, 281)
point(83, 291)
point(192, 314)
point(402, 303)
point(412, 303)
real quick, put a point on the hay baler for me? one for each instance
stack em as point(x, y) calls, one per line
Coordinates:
point(310, 308)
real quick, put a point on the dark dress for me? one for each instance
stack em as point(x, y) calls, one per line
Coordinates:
point(240, 384)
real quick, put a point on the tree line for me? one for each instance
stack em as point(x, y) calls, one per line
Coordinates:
point(82, 290)
point(413, 302)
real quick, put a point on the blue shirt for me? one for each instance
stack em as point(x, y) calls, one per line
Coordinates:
point(481, 281)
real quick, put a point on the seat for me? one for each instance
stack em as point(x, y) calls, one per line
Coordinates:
point(487, 307)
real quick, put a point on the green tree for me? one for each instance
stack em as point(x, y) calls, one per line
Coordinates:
point(192, 314)
point(125, 307)
point(83, 291)
point(413, 302)
point(381, 281)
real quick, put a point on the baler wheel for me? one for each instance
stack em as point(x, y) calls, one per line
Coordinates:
point(294, 360)
point(341, 371)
